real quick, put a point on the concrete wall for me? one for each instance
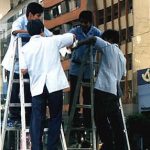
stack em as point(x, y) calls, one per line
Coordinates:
point(141, 39)
point(5, 7)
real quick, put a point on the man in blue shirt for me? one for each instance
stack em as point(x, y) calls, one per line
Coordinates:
point(83, 31)
point(33, 11)
point(107, 115)
point(112, 68)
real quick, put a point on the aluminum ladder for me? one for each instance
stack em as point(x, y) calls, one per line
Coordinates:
point(87, 54)
point(21, 143)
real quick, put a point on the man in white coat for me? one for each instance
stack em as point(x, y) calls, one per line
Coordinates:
point(41, 59)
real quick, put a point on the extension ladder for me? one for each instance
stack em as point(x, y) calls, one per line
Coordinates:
point(22, 143)
point(87, 54)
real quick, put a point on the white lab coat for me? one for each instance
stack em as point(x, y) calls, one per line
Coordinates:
point(19, 24)
point(42, 59)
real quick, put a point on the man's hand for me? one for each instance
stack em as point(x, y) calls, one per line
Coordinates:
point(24, 71)
point(19, 31)
point(88, 41)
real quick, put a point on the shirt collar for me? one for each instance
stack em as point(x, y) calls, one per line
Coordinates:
point(91, 30)
point(35, 36)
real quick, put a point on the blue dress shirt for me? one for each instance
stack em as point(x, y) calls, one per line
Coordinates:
point(112, 66)
point(79, 53)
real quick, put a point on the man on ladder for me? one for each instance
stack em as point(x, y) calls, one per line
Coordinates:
point(84, 30)
point(108, 117)
point(33, 11)
point(40, 58)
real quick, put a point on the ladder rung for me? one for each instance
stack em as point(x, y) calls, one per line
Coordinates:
point(45, 129)
point(19, 105)
point(69, 148)
point(81, 128)
point(19, 128)
point(17, 80)
point(86, 84)
point(83, 106)
point(13, 128)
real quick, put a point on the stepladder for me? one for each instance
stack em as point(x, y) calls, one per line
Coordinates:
point(95, 144)
point(91, 130)
point(21, 132)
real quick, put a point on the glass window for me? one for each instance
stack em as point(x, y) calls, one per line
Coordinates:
point(129, 64)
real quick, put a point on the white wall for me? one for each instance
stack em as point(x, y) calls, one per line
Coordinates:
point(5, 7)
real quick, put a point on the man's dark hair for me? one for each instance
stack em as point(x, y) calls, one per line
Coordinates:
point(86, 15)
point(111, 36)
point(34, 8)
point(35, 27)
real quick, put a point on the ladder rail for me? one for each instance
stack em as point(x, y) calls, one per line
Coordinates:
point(23, 104)
point(10, 84)
point(92, 97)
point(62, 138)
point(88, 53)
point(124, 124)
point(22, 100)
point(75, 97)
point(23, 146)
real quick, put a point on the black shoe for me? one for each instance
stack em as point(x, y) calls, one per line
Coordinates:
point(78, 120)
point(85, 144)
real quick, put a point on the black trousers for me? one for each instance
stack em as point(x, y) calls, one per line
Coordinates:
point(86, 99)
point(109, 121)
point(55, 102)
point(15, 111)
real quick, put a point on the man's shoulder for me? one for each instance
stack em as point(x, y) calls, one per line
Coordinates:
point(47, 32)
point(75, 29)
point(26, 46)
point(20, 19)
point(97, 30)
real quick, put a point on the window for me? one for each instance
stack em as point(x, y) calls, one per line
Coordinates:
point(74, 4)
point(10, 21)
point(47, 14)
point(129, 63)
point(129, 88)
point(55, 11)
point(101, 17)
point(115, 13)
point(62, 8)
point(123, 34)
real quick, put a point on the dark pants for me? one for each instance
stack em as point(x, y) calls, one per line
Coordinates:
point(15, 111)
point(86, 99)
point(54, 101)
point(108, 121)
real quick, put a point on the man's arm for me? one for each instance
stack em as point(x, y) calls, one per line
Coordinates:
point(88, 41)
point(19, 31)
point(24, 71)
point(65, 40)
point(18, 26)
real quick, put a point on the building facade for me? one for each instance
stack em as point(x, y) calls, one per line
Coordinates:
point(126, 16)
point(130, 17)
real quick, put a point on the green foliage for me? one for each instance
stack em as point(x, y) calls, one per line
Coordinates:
point(139, 124)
